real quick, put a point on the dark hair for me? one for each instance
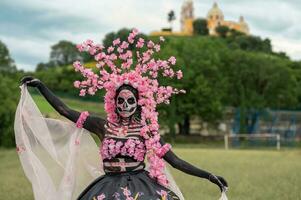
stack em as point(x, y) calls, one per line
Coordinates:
point(137, 114)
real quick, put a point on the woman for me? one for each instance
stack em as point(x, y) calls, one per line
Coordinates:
point(129, 134)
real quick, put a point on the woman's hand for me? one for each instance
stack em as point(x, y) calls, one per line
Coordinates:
point(219, 181)
point(30, 81)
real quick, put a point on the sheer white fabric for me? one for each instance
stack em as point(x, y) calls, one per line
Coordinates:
point(172, 184)
point(59, 159)
point(223, 196)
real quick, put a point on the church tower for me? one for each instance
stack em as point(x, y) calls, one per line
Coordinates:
point(215, 18)
point(243, 25)
point(187, 17)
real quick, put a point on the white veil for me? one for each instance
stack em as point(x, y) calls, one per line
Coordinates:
point(59, 159)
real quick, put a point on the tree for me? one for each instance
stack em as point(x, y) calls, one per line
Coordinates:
point(108, 39)
point(8, 99)
point(42, 66)
point(122, 34)
point(199, 62)
point(171, 17)
point(64, 53)
point(222, 31)
point(250, 43)
point(7, 64)
point(295, 66)
point(256, 81)
point(200, 27)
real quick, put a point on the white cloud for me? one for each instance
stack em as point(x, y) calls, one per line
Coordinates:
point(28, 52)
point(290, 46)
point(276, 19)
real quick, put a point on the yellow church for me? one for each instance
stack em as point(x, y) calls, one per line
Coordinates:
point(215, 18)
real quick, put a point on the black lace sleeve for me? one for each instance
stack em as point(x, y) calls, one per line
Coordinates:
point(187, 168)
point(93, 124)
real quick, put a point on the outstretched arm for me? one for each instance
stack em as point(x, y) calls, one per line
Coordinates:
point(184, 166)
point(93, 124)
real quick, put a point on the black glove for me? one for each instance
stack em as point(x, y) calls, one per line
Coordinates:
point(30, 81)
point(219, 181)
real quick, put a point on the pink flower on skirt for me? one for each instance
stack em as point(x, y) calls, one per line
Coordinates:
point(101, 197)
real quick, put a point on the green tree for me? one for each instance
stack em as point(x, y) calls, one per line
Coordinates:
point(171, 17)
point(108, 39)
point(122, 34)
point(249, 43)
point(64, 53)
point(7, 64)
point(222, 31)
point(42, 66)
point(200, 27)
point(295, 66)
point(8, 99)
point(256, 81)
point(199, 62)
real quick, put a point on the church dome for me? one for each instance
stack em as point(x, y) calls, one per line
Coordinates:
point(215, 13)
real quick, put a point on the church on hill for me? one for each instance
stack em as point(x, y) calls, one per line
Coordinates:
point(215, 18)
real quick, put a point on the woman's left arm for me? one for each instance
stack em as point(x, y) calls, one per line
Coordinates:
point(186, 167)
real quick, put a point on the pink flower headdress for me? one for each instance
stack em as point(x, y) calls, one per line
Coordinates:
point(118, 65)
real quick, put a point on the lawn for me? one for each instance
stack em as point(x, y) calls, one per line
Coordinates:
point(46, 109)
point(252, 174)
point(256, 175)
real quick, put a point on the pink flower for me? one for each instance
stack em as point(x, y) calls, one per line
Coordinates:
point(92, 50)
point(131, 40)
point(172, 60)
point(110, 49)
point(80, 47)
point(101, 197)
point(91, 91)
point(157, 47)
point(140, 43)
point(77, 66)
point(100, 56)
point(116, 42)
point(124, 45)
point(82, 118)
point(89, 42)
point(76, 84)
point(120, 67)
point(163, 150)
point(162, 193)
point(179, 74)
point(135, 31)
point(150, 44)
point(82, 92)
point(126, 191)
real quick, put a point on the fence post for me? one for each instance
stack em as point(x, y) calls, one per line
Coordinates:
point(226, 139)
point(278, 141)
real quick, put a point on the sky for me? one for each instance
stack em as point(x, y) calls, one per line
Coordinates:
point(30, 27)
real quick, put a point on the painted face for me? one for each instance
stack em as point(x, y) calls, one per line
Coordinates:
point(126, 103)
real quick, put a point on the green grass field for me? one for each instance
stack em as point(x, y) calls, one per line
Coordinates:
point(256, 175)
point(45, 107)
point(252, 174)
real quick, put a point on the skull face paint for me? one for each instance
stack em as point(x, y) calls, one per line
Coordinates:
point(126, 103)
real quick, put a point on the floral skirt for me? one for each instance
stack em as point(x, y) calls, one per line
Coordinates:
point(134, 185)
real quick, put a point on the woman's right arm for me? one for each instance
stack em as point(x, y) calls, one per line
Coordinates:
point(93, 124)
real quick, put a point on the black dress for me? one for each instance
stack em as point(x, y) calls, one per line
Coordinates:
point(125, 175)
